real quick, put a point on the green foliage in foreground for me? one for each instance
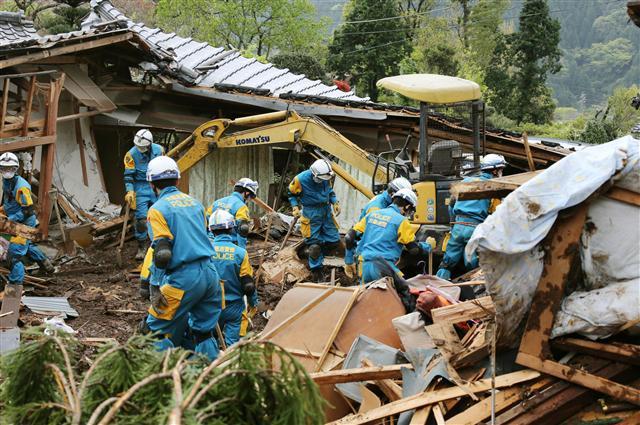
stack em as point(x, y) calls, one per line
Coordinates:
point(52, 379)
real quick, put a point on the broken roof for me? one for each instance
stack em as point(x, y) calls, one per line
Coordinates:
point(201, 64)
point(14, 28)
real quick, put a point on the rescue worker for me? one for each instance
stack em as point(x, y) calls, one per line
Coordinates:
point(467, 215)
point(18, 206)
point(386, 234)
point(236, 204)
point(185, 290)
point(312, 190)
point(139, 195)
point(236, 275)
point(378, 202)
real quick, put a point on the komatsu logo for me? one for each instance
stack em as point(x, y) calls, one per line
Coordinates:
point(253, 140)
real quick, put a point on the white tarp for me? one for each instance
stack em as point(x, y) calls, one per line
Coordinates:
point(508, 242)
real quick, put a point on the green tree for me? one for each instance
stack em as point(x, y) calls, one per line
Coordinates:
point(522, 62)
point(65, 17)
point(300, 63)
point(616, 120)
point(257, 27)
point(369, 45)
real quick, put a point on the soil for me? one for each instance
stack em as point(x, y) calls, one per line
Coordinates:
point(96, 287)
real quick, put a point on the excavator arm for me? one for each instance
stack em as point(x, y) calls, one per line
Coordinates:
point(277, 128)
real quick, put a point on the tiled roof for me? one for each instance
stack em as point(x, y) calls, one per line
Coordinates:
point(204, 65)
point(14, 28)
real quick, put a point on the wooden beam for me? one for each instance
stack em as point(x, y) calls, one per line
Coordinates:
point(23, 143)
point(527, 151)
point(5, 99)
point(626, 353)
point(478, 309)
point(79, 115)
point(563, 240)
point(67, 208)
point(58, 51)
point(580, 377)
point(80, 142)
point(373, 373)
point(18, 229)
point(419, 400)
point(392, 390)
point(624, 195)
point(28, 104)
point(494, 188)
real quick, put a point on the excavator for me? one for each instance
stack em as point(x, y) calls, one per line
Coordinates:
point(440, 162)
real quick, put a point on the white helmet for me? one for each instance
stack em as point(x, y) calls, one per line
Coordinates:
point(162, 168)
point(9, 159)
point(408, 195)
point(221, 220)
point(399, 183)
point(247, 183)
point(143, 138)
point(321, 170)
point(492, 161)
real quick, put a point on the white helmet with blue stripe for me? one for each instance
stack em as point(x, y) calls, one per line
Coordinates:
point(221, 220)
point(492, 161)
point(162, 168)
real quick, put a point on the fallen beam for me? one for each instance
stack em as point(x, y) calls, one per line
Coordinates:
point(420, 400)
point(374, 373)
point(17, 229)
point(625, 353)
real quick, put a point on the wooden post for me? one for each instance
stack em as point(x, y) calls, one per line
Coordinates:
point(80, 142)
point(48, 155)
point(5, 100)
point(28, 105)
point(527, 151)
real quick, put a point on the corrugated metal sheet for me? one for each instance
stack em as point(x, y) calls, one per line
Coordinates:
point(50, 305)
point(211, 178)
point(188, 54)
point(351, 200)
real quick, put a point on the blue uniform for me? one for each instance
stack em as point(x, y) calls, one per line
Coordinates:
point(236, 206)
point(467, 215)
point(135, 179)
point(232, 264)
point(17, 197)
point(190, 282)
point(317, 224)
point(385, 232)
point(378, 202)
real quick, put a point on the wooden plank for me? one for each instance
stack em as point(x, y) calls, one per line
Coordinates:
point(580, 377)
point(28, 105)
point(504, 399)
point(527, 151)
point(624, 195)
point(478, 309)
point(5, 99)
point(626, 353)
point(10, 310)
point(563, 242)
point(420, 400)
point(80, 142)
point(438, 415)
point(67, 208)
point(336, 328)
point(58, 51)
point(23, 143)
point(494, 188)
point(634, 419)
point(18, 229)
point(371, 373)
point(392, 390)
point(475, 348)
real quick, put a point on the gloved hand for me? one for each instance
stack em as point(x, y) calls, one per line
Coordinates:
point(296, 212)
point(336, 209)
point(158, 301)
point(431, 242)
point(130, 198)
point(350, 270)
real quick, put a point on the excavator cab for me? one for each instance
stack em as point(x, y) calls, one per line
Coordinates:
point(441, 161)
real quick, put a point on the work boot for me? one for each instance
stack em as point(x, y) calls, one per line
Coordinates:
point(142, 250)
point(317, 275)
point(46, 266)
point(144, 291)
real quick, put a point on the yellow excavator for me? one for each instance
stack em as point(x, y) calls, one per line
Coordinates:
point(439, 162)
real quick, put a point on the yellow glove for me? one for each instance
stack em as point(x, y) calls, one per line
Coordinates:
point(350, 270)
point(431, 242)
point(296, 212)
point(130, 198)
point(336, 209)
